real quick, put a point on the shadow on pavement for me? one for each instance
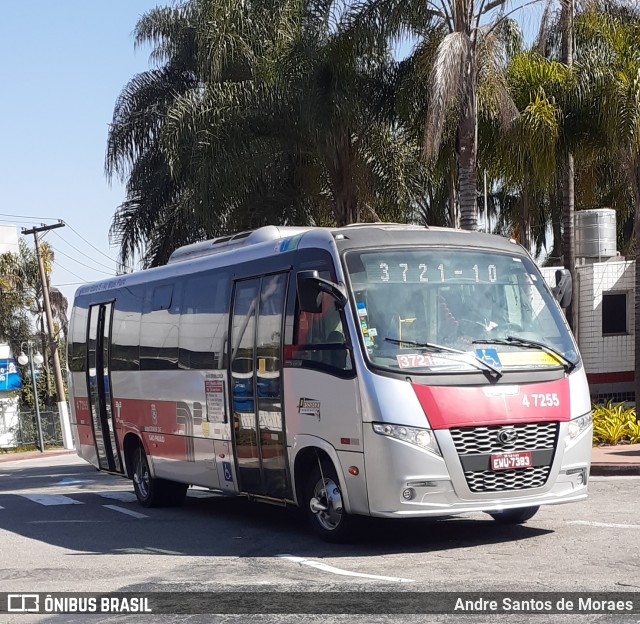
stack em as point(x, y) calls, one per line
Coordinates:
point(214, 525)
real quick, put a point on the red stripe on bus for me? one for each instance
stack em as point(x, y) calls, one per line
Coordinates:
point(463, 406)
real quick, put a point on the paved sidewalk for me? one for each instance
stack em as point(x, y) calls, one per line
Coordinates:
point(9, 457)
point(623, 459)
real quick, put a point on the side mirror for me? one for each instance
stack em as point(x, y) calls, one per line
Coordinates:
point(563, 289)
point(310, 288)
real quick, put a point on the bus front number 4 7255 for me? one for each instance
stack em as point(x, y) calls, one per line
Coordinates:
point(509, 461)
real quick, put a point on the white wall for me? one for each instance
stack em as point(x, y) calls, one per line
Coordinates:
point(8, 239)
point(8, 421)
point(603, 354)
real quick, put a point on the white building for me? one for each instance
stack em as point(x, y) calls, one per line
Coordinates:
point(605, 302)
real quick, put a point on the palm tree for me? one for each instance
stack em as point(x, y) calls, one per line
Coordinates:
point(468, 54)
point(283, 119)
point(609, 73)
point(524, 157)
point(15, 323)
point(21, 304)
point(134, 151)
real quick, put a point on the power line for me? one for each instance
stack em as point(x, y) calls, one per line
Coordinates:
point(94, 247)
point(30, 217)
point(13, 221)
point(80, 251)
point(79, 262)
point(64, 268)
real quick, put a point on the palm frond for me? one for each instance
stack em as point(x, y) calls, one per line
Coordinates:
point(446, 87)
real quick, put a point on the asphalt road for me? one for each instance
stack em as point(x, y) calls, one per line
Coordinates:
point(64, 527)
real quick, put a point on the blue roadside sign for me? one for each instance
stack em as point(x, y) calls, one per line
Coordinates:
point(9, 376)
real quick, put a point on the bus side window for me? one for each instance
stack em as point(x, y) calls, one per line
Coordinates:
point(203, 321)
point(319, 338)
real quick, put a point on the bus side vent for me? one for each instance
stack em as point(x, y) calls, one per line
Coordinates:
point(234, 241)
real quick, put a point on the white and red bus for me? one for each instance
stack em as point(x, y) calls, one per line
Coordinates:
point(380, 370)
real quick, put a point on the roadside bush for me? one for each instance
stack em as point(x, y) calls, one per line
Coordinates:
point(615, 424)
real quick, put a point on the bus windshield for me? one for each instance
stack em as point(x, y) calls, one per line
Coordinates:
point(435, 310)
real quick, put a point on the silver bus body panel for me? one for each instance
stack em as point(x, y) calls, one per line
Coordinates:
point(341, 425)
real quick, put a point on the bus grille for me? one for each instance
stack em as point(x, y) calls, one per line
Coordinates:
point(473, 443)
point(489, 481)
point(531, 437)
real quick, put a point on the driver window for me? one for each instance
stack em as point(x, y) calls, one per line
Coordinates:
point(319, 338)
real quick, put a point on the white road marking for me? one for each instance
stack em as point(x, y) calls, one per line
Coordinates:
point(123, 497)
point(63, 521)
point(327, 568)
point(609, 525)
point(72, 481)
point(129, 512)
point(51, 499)
point(1, 507)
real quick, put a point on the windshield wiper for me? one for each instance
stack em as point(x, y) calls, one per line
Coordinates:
point(568, 364)
point(441, 348)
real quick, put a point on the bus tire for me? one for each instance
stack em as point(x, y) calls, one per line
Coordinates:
point(152, 492)
point(515, 516)
point(324, 505)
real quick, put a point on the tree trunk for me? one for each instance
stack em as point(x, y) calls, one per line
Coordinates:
point(569, 242)
point(524, 215)
point(568, 194)
point(454, 212)
point(466, 147)
point(341, 177)
point(636, 227)
point(556, 226)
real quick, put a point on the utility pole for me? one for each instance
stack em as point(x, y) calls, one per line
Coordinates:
point(65, 425)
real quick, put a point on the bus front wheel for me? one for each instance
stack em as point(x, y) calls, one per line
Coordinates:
point(514, 516)
point(324, 504)
point(152, 492)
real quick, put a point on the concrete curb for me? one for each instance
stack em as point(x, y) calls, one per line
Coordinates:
point(10, 457)
point(612, 470)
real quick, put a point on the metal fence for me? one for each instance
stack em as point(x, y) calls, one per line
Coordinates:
point(25, 430)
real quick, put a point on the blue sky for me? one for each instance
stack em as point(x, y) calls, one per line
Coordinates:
point(64, 62)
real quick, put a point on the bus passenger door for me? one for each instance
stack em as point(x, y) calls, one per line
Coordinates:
point(99, 387)
point(256, 389)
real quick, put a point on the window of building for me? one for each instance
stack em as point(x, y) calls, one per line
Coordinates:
point(614, 314)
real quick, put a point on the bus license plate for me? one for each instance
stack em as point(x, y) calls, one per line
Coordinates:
point(511, 461)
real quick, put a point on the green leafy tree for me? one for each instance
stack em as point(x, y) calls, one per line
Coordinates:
point(465, 74)
point(283, 117)
point(610, 79)
point(524, 156)
point(21, 310)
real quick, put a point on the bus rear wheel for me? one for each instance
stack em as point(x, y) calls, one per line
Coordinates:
point(324, 504)
point(152, 492)
point(515, 516)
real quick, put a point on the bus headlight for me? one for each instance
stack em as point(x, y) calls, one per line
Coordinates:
point(578, 425)
point(424, 438)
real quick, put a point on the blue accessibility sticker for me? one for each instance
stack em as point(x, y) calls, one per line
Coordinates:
point(489, 356)
point(226, 468)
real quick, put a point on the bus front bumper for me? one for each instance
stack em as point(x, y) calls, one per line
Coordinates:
point(413, 482)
